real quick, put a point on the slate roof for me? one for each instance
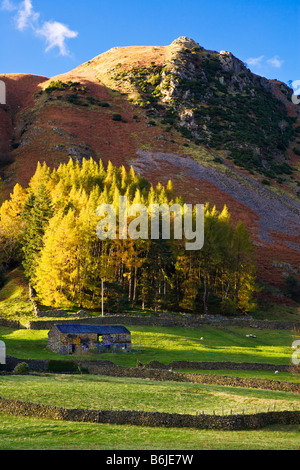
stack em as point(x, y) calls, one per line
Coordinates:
point(99, 329)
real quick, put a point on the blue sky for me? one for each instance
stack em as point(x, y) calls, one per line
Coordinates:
point(49, 37)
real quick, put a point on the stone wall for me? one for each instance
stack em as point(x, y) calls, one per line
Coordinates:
point(223, 365)
point(105, 367)
point(60, 314)
point(37, 365)
point(153, 419)
point(166, 375)
point(15, 324)
point(185, 321)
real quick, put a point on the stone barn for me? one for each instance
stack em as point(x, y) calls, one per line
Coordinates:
point(79, 339)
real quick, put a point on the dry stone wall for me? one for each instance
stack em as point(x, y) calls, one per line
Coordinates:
point(60, 314)
point(152, 419)
point(184, 321)
point(108, 368)
point(223, 365)
point(6, 322)
point(166, 375)
point(37, 365)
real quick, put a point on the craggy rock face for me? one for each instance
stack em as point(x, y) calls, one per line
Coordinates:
point(229, 62)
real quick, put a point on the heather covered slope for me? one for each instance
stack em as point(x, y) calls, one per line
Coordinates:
point(180, 112)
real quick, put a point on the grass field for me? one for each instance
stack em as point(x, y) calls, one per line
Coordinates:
point(96, 392)
point(122, 393)
point(157, 343)
point(37, 434)
point(167, 344)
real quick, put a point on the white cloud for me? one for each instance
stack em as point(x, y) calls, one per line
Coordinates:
point(7, 5)
point(56, 34)
point(255, 61)
point(26, 16)
point(275, 62)
point(259, 62)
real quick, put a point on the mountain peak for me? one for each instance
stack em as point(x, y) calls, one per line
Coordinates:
point(185, 42)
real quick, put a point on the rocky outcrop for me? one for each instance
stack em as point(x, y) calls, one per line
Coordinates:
point(185, 42)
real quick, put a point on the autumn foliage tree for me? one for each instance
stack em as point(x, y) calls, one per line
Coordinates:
point(51, 228)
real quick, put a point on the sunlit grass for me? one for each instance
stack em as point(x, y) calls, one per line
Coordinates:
point(166, 344)
point(123, 393)
point(14, 300)
point(20, 433)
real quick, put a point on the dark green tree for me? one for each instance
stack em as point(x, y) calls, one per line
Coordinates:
point(36, 213)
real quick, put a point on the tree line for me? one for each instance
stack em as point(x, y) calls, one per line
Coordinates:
point(50, 228)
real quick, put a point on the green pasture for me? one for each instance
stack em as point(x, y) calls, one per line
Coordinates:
point(20, 433)
point(166, 344)
point(123, 393)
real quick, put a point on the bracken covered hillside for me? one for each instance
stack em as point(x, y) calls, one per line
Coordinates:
point(198, 117)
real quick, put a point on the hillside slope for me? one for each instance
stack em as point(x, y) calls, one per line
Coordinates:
point(179, 112)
